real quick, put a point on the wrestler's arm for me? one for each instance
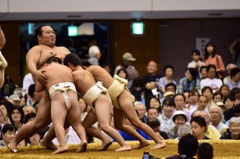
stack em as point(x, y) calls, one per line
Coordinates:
point(2, 39)
point(32, 59)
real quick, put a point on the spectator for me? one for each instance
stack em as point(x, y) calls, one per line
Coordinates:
point(33, 96)
point(224, 89)
point(234, 129)
point(155, 125)
point(217, 118)
point(199, 127)
point(187, 147)
point(35, 139)
point(203, 72)
point(193, 97)
point(14, 99)
point(234, 50)
point(205, 151)
point(122, 73)
point(202, 103)
point(189, 82)
point(211, 81)
point(151, 80)
point(8, 134)
point(16, 117)
point(94, 55)
point(5, 107)
point(126, 56)
point(207, 91)
point(141, 110)
point(235, 79)
point(153, 113)
point(229, 68)
point(155, 103)
point(28, 109)
point(217, 97)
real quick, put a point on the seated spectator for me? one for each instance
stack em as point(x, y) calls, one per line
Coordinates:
point(126, 56)
point(235, 80)
point(141, 110)
point(207, 91)
point(187, 147)
point(183, 130)
point(223, 107)
point(166, 115)
point(228, 102)
point(190, 81)
point(94, 55)
point(202, 103)
point(168, 74)
point(122, 73)
point(29, 117)
point(16, 117)
point(14, 99)
point(35, 139)
point(155, 125)
point(205, 151)
point(179, 118)
point(5, 107)
point(153, 113)
point(193, 98)
point(224, 90)
point(211, 81)
point(1, 121)
point(28, 109)
point(137, 89)
point(217, 118)
point(33, 96)
point(234, 129)
point(155, 103)
point(236, 110)
point(217, 97)
point(199, 127)
point(228, 114)
point(203, 72)
point(8, 134)
point(228, 69)
point(151, 79)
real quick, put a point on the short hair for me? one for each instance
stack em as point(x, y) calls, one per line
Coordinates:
point(166, 67)
point(54, 59)
point(196, 52)
point(31, 90)
point(234, 71)
point(188, 145)
point(205, 151)
point(171, 84)
point(202, 67)
point(124, 70)
point(179, 94)
point(153, 123)
point(211, 66)
point(217, 93)
point(200, 121)
point(220, 111)
point(8, 127)
point(234, 120)
point(236, 108)
point(205, 88)
point(153, 109)
point(29, 116)
point(169, 101)
point(72, 58)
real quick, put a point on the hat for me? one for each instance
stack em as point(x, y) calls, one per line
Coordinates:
point(179, 112)
point(93, 50)
point(220, 104)
point(166, 94)
point(14, 97)
point(128, 56)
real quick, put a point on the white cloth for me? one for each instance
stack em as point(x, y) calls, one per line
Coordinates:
point(227, 79)
point(166, 124)
point(27, 81)
point(213, 83)
point(220, 126)
point(192, 64)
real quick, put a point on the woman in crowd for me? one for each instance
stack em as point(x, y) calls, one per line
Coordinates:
point(35, 139)
point(217, 97)
point(224, 89)
point(234, 129)
point(207, 91)
point(16, 117)
point(211, 57)
point(5, 107)
point(166, 115)
point(122, 73)
point(228, 101)
point(155, 103)
point(168, 75)
point(8, 134)
point(217, 118)
point(190, 81)
point(199, 127)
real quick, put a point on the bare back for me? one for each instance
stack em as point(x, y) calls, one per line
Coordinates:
point(57, 73)
point(100, 74)
point(83, 80)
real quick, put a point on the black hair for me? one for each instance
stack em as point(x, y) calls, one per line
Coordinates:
point(31, 90)
point(200, 121)
point(205, 151)
point(169, 102)
point(38, 30)
point(197, 52)
point(202, 67)
point(124, 70)
point(206, 52)
point(234, 71)
point(205, 88)
point(29, 116)
point(217, 93)
point(166, 67)
point(8, 127)
point(153, 123)
point(74, 59)
point(236, 108)
point(171, 84)
point(179, 94)
point(54, 59)
point(20, 111)
point(188, 145)
point(211, 66)
point(194, 73)
point(8, 105)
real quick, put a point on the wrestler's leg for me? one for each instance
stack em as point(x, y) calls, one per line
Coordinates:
point(2, 76)
point(43, 118)
point(87, 123)
point(103, 108)
point(118, 123)
point(127, 107)
point(73, 117)
point(3, 65)
point(58, 116)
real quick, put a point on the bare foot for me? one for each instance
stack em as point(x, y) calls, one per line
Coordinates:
point(145, 143)
point(83, 147)
point(12, 146)
point(48, 145)
point(105, 145)
point(123, 148)
point(159, 145)
point(61, 149)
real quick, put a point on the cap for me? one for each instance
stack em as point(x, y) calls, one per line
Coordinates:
point(14, 97)
point(128, 56)
point(93, 50)
point(166, 94)
point(179, 112)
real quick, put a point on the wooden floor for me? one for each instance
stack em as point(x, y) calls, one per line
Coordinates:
point(223, 149)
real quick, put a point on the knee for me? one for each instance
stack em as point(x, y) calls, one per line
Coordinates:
point(104, 127)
